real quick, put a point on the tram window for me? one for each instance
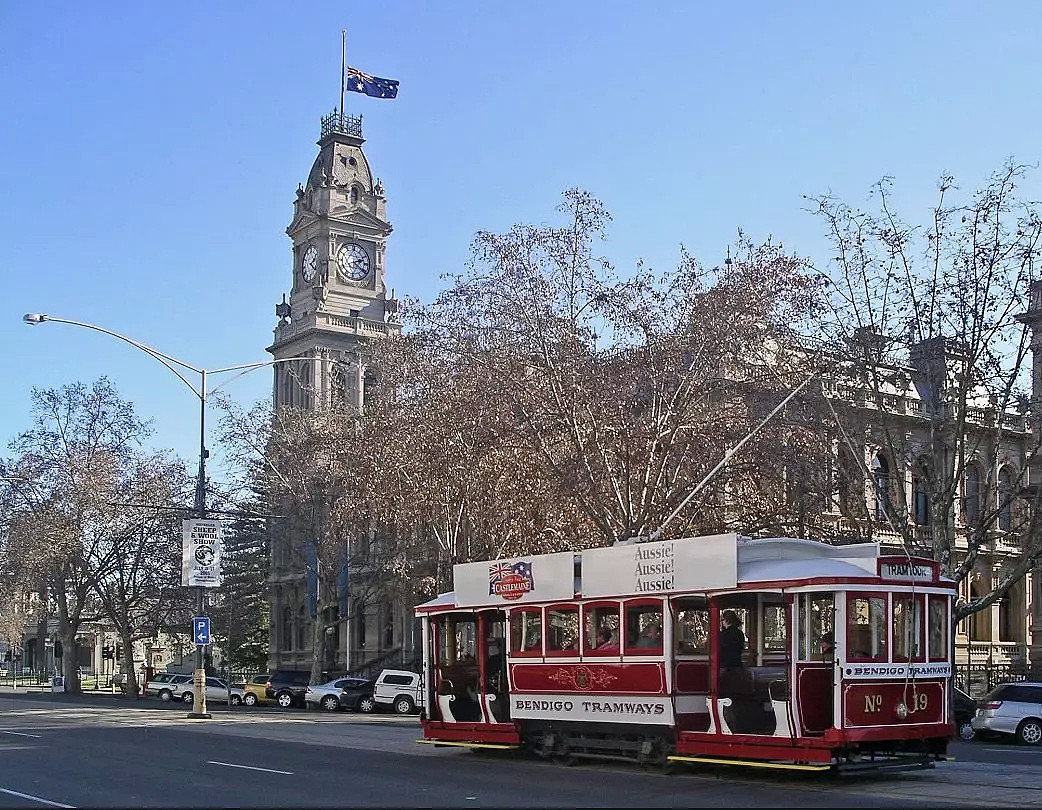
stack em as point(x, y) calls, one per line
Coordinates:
point(691, 629)
point(601, 628)
point(817, 614)
point(908, 628)
point(525, 631)
point(644, 628)
point(866, 628)
point(562, 629)
point(775, 630)
point(457, 641)
point(938, 624)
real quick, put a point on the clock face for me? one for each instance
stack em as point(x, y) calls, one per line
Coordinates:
point(309, 263)
point(352, 261)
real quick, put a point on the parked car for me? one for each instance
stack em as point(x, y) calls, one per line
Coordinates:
point(255, 691)
point(216, 692)
point(169, 688)
point(357, 695)
point(287, 687)
point(327, 695)
point(964, 708)
point(1012, 708)
point(397, 689)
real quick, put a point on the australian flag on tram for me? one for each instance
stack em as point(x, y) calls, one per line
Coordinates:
point(374, 86)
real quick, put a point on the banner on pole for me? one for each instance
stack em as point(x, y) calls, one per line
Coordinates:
point(201, 553)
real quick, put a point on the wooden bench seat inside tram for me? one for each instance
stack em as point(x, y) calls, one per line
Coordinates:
point(753, 691)
point(460, 684)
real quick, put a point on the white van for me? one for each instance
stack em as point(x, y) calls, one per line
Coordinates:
point(398, 689)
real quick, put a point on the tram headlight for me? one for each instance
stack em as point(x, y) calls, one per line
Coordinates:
point(902, 711)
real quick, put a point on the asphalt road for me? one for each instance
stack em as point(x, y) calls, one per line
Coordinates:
point(97, 752)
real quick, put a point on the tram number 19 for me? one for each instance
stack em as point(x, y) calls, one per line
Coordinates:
point(873, 703)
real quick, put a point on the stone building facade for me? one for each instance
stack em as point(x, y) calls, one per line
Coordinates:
point(338, 302)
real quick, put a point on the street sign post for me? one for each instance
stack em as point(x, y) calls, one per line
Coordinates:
point(201, 629)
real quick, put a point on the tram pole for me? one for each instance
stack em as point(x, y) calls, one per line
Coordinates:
point(655, 535)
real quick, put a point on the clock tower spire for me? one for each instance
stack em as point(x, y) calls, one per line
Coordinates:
point(338, 298)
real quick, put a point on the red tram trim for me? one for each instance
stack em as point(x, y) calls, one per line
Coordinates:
point(754, 746)
point(594, 678)
point(471, 732)
point(923, 731)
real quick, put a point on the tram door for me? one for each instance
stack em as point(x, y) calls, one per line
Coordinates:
point(492, 666)
point(457, 683)
point(816, 661)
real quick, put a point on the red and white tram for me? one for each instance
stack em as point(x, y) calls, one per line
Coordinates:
point(843, 660)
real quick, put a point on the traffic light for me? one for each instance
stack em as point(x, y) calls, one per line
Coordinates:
point(58, 649)
point(106, 652)
point(119, 651)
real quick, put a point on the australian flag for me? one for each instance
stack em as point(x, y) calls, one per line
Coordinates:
point(374, 86)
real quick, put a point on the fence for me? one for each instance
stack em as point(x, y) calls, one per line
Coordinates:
point(979, 679)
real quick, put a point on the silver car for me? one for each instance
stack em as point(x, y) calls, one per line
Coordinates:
point(1012, 708)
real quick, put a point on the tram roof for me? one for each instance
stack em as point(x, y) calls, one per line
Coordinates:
point(734, 561)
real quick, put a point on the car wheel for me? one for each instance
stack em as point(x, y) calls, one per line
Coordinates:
point(165, 695)
point(1029, 732)
point(188, 697)
point(366, 705)
point(284, 699)
point(330, 703)
point(966, 731)
point(236, 700)
point(403, 705)
point(250, 699)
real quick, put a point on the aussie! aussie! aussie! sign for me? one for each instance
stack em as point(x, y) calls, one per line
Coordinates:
point(538, 578)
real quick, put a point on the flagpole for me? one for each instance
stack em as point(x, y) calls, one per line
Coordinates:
point(343, 69)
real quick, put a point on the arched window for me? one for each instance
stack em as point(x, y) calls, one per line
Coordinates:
point(881, 484)
point(287, 385)
point(850, 483)
point(306, 386)
point(354, 194)
point(338, 386)
point(980, 622)
point(287, 629)
point(920, 495)
point(971, 496)
point(1005, 494)
point(301, 628)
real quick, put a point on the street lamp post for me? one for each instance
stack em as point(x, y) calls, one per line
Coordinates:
point(172, 363)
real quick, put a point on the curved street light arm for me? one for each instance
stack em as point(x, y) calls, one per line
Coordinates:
point(165, 359)
point(248, 367)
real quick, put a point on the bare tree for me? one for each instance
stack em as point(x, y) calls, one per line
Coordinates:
point(928, 315)
point(77, 459)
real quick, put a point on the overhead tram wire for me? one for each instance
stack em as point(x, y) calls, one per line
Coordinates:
point(657, 534)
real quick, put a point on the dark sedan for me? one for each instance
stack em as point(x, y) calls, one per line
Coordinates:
point(357, 696)
point(964, 708)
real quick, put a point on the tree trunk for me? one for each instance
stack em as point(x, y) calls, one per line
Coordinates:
point(70, 670)
point(127, 665)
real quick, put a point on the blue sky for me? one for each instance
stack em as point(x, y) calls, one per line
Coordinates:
point(149, 152)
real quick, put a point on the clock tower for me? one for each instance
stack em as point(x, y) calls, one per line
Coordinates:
point(338, 303)
point(338, 299)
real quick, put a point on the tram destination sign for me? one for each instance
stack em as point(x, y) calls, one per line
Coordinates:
point(906, 570)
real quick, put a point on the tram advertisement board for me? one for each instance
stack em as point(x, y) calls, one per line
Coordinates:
point(685, 564)
point(538, 578)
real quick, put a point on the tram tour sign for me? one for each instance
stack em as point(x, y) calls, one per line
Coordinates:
point(201, 553)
